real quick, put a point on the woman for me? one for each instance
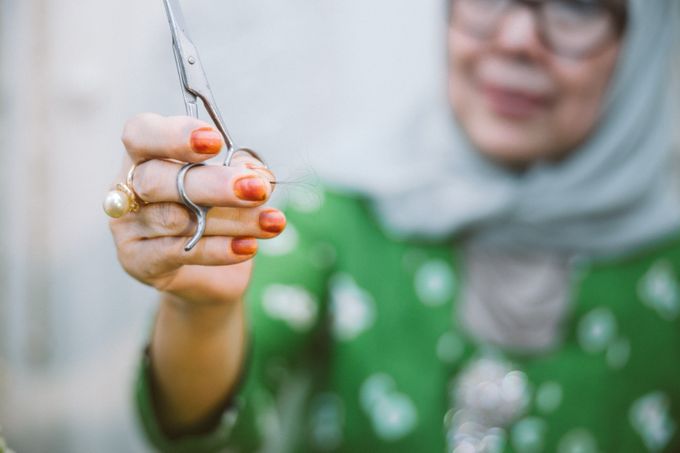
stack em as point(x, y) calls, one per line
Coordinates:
point(514, 292)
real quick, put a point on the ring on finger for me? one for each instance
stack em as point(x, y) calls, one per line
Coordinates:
point(123, 199)
point(129, 182)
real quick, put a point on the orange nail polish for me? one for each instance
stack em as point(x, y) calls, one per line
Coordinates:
point(206, 140)
point(244, 246)
point(272, 221)
point(251, 188)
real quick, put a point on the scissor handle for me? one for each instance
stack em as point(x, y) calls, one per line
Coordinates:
point(201, 212)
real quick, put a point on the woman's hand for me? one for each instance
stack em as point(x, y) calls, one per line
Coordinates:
point(150, 243)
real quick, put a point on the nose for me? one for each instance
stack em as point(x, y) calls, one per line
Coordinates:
point(518, 33)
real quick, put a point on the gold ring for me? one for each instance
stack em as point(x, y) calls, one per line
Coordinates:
point(123, 199)
point(129, 182)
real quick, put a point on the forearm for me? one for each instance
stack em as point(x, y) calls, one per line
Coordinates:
point(196, 357)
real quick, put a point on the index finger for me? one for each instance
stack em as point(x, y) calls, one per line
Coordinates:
point(150, 136)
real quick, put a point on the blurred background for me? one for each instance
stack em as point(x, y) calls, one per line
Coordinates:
point(301, 81)
point(304, 82)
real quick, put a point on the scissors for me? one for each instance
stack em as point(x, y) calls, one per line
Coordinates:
point(194, 87)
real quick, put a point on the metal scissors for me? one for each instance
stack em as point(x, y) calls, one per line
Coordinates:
point(194, 87)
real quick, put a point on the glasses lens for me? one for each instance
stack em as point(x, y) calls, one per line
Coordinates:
point(577, 27)
point(478, 16)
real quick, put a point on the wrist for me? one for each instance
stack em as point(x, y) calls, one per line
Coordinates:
point(203, 317)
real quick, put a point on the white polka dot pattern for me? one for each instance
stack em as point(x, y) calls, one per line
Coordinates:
point(650, 417)
point(392, 414)
point(597, 330)
point(352, 308)
point(434, 283)
point(659, 290)
point(293, 305)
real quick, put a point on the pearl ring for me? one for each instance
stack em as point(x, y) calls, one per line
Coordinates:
point(123, 199)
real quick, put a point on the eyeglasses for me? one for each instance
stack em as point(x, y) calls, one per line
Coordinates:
point(572, 28)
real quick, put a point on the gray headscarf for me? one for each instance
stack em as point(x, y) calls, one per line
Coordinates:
point(614, 195)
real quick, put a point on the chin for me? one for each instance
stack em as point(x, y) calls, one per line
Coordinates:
point(505, 144)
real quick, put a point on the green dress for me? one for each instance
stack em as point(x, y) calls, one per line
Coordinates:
point(355, 349)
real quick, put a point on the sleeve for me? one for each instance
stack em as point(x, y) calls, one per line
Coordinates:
point(285, 317)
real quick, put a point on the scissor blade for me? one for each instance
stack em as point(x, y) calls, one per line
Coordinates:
point(175, 17)
point(186, 56)
point(190, 99)
point(192, 74)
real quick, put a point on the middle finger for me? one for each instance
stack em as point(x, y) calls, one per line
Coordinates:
point(155, 181)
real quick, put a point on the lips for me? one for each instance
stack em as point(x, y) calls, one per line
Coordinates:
point(512, 103)
point(512, 88)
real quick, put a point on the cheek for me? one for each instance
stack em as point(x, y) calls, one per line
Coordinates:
point(463, 55)
point(465, 101)
point(584, 89)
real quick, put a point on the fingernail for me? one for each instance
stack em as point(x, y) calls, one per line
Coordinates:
point(272, 221)
point(267, 173)
point(244, 246)
point(251, 188)
point(206, 140)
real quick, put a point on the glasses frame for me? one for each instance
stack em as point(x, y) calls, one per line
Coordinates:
point(617, 10)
